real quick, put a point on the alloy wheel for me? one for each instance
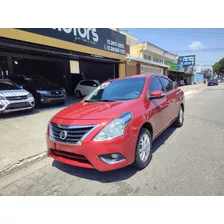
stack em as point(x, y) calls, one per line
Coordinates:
point(144, 147)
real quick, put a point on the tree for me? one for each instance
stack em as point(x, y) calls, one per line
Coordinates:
point(218, 67)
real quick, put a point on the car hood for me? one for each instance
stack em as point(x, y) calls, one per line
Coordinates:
point(16, 92)
point(94, 110)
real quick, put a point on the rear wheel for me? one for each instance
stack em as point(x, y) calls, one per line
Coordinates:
point(180, 120)
point(143, 153)
point(78, 94)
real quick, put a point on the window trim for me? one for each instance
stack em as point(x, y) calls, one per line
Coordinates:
point(164, 86)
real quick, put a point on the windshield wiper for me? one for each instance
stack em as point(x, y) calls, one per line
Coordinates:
point(88, 101)
point(106, 100)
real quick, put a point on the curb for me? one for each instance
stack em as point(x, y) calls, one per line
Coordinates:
point(22, 163)
point(192, 92)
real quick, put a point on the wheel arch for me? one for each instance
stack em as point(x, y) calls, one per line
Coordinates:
point(148, 126)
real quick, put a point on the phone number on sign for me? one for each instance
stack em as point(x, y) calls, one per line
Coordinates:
point(115, 49)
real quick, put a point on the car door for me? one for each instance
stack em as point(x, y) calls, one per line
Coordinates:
point(158, 107)
point(172, 100)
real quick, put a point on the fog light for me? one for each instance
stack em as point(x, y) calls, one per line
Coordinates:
point(114, 156)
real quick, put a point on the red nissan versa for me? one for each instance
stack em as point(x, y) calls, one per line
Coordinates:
point(116, 124)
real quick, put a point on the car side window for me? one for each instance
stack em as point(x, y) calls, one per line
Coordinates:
point(92, 83)
point(168, 85)
point(155, 84)
point(84, 83)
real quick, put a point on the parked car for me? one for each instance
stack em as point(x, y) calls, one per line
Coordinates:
point(13, 98)
point(85, 87)
point(213, 82)
point(116, 124)
point(44, 92)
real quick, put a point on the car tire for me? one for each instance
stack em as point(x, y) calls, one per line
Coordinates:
point(180, 119)
point(78, 94)
point(143, 152)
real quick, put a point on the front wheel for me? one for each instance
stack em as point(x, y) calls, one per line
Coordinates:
point(78, 94)
point(143, 153)
point(180, 120)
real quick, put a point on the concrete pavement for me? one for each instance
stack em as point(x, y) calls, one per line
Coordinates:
point(186, 161)
point(23, 137)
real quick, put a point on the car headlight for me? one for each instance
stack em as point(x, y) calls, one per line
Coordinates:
point(2, 98)
point(115, 128)
point(43, 92)
point(30, 95)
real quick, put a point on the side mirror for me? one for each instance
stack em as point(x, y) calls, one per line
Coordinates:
point(157, 94)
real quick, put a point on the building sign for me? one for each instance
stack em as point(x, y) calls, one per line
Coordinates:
point(100, 38)
point(172, 66)
point(186, 61)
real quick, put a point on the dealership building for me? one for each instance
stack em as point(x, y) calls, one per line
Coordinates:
point(64, 56)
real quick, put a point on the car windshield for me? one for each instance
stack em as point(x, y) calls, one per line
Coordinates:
point(8, 85)
point(125, 89)
point(39, 82)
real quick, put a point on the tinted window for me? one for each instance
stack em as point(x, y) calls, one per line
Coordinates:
point(38, 82)
point(168, 85)
point(124, 89)
point(155, 84)
point(8, 85)
point(88, 83)
point(19, 81)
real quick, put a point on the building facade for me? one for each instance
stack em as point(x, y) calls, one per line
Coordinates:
point(147, 58)
point(64, 55)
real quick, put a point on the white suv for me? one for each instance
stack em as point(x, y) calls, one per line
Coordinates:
point(13, 98)
point(85, 87)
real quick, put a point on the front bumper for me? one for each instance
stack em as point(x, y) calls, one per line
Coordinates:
point(52, 100)
point(7, 106)
point(88, 153)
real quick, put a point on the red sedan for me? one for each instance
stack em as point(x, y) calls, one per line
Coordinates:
point(116, 124)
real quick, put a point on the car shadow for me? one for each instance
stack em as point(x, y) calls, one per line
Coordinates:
point(16, 114)
point(111, 176)
point(162, 138)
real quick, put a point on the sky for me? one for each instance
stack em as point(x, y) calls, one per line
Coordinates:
point(206, 44)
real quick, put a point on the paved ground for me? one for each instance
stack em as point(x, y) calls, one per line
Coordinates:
point(21, 136)
point(192, 87)
point(186, 161)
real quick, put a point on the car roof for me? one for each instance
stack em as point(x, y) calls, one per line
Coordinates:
point(140, 76)
point(89, 80)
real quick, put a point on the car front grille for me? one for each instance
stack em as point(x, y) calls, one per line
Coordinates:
point(73, 133)
point(17, 105)
point(16, 97)
point(57, 93)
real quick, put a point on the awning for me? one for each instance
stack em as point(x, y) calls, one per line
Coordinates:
point(55, 52)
